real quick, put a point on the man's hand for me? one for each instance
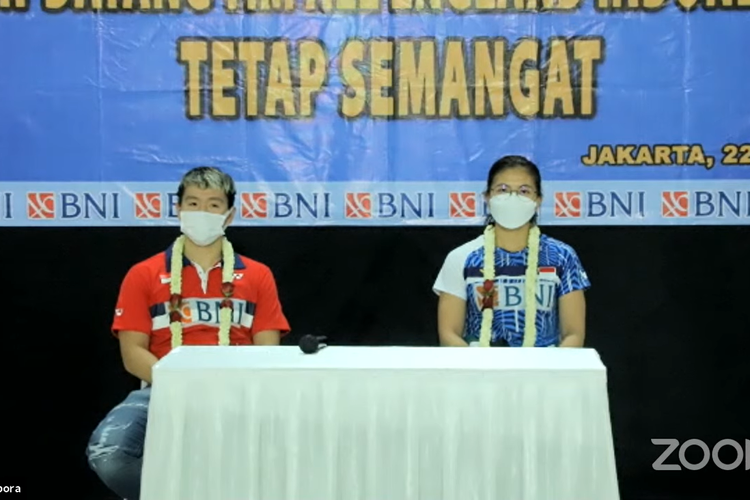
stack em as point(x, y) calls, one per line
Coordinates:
point(267, 337)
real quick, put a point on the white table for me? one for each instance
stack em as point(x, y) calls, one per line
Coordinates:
point(379, 423)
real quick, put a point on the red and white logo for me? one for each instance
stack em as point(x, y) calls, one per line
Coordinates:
point(147, 205)
point(675, 204)
point(358, 206)
point(568, 204)
point(254, 205)
point(40, 205)
point(462, 205)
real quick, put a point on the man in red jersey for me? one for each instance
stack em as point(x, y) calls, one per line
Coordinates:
point(197, 292)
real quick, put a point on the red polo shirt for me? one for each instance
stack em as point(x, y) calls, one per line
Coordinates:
point(143, 304)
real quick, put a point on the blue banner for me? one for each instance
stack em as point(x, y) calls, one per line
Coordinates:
point(374, 112)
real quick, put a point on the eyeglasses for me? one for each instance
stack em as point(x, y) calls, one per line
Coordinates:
point(525, 191)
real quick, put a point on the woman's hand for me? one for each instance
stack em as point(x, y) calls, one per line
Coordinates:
point(572, 308)
point(451, 319)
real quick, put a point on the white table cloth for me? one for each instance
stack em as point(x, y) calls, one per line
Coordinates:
point(379, 423)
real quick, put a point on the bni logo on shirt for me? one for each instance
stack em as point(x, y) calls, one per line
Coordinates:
point(511, 291)
point(208, 312)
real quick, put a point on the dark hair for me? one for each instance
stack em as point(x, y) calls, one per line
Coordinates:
point(208, 177)
point(513, 161)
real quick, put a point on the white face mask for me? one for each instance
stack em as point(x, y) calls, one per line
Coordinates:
point(203, 228)
point(512, 211)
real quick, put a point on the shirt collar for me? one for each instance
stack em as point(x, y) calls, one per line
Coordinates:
point(238, 264)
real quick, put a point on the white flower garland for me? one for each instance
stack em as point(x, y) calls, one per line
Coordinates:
point(488, 313)
point(532, 271)
point(175, 288)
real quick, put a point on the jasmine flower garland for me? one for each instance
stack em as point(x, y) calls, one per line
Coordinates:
point(175, 288)
point(489, 289)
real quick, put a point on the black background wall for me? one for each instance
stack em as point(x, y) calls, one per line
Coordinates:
point(669, 312)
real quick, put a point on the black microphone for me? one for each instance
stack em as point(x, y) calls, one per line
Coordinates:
point(501, 342)
point(310, 344)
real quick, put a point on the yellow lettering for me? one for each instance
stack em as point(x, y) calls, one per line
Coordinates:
point(687, 4)
point(325, 5)
point(349, 6)
point(696, 156)
point(47, 5)
point(625, 155)
point(280, 81)
point(199, 6)
point(590, 158)
point(630, 5)
point(251, 53)
point(652, 5)
point(313, 64)
point(407, 79)
point(222, 80)
point(230, 6)
point(680, 151)
point(525, 102)
point(193, 54)
point(421, 5)
point(587, 53)
point(454, 81)
point(276, 6)
point(144, 5)
point(606, 155)
point(562, 4)
point(398, 5)
point(460, 6)
point(381, 52)
point(353, 105)
point(717, 4)
point(417, 5)
point(662, 155)
point(416, 78)
point(463, 6)
point(489, 77)
point(558, 85)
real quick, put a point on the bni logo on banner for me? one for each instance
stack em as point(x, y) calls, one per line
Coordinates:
point(47, 205)
point(599, 204)
point(714, 204)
